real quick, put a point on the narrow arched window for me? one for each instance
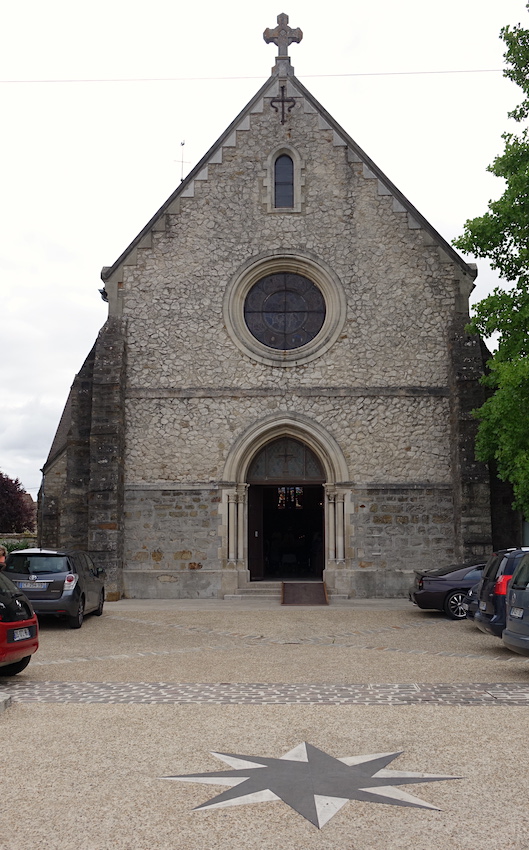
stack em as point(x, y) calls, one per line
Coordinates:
point(283, 182)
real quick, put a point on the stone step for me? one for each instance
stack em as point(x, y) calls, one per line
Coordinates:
point(275, 597)
point(245, 597)
point(258, 588)
point(270, 590)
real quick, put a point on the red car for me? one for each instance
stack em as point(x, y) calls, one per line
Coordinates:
point(19, 631)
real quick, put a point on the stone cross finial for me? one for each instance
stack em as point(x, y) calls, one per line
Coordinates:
point(282, 35)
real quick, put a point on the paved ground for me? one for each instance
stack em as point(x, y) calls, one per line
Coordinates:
point(151, 689)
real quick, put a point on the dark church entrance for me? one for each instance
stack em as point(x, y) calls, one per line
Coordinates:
point(285, 513)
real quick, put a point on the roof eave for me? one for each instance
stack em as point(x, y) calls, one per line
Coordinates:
point(425, 224)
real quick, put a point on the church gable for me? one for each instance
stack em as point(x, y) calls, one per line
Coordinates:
point(285, 99)
point(344, 223)
point(286, 301)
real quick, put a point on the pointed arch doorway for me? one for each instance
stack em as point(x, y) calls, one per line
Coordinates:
point(286, 513)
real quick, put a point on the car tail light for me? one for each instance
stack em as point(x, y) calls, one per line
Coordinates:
point(500, 588)
point(420, 583)
point(70, 581)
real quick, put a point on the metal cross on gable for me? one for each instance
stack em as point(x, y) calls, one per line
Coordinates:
point(282, 35)
point(283, 100)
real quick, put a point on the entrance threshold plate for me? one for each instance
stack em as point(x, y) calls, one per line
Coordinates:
point(304, 593)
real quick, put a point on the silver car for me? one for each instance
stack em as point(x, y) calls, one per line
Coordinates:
point(64, 583)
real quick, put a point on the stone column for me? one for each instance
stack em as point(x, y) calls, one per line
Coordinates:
point(241, 505)
point(339, 509)
point(232, 526)
point(331, 525)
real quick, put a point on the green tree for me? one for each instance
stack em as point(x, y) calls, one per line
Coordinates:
point(16, 513)
point(502, 236)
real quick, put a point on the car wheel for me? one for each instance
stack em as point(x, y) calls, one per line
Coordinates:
point(76, 620)
point(453, 605)
point(13, 669)
point(99, 609)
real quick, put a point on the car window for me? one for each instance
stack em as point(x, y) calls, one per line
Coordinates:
point(35, 564)
point(474, 575)
point(492, 565)
point(520, 579)
point(509, 567)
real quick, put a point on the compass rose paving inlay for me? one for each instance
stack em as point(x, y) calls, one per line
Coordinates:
point(312, 782)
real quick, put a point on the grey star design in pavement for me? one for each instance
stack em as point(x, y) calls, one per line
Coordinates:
point(311, 782)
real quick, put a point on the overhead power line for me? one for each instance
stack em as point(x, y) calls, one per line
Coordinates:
point(209, 79)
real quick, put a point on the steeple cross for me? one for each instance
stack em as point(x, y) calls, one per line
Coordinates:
point(282, 35)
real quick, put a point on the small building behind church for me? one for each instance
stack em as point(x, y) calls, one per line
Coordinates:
point(283, 387)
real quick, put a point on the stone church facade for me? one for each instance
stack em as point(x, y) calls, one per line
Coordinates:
point(283, 386)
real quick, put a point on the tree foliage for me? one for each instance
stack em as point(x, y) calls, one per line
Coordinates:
point(502, 236)
point(16, 513)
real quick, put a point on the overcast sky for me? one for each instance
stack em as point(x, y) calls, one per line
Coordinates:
point(97, 98)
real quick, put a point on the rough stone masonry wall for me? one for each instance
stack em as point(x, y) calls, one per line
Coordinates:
point(400, 293)
point(172, 543)
point(49, 503)
point(107, 446)
point(395, 530)
point(188, 439)
point(73, 503)
point(471, 478)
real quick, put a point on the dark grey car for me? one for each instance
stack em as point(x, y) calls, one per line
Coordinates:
point(492, 590)
point(516, 634)
point(64, 583)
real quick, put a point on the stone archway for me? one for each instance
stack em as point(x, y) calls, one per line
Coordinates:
point(285, 512)
point(334, 481)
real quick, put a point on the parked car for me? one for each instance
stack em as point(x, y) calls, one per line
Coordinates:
point(19, 631)
point(444, 589)
point(64, 583)
point(516, 633)
point(470, 602)
point(492, 591)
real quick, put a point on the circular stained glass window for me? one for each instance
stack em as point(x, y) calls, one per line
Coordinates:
point(284, 311)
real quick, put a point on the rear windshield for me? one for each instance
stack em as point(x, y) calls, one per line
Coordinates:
point(508, 566)
point(520, 579)
point(499, 565)
point(444, 571)
point(493, 563)
point(36, 564)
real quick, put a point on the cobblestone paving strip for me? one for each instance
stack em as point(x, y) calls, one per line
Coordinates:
point(268, 694)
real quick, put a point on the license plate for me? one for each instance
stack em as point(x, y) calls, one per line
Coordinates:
point(21, 634)
point(32, 585)
point(482, 606)
point(517, 612)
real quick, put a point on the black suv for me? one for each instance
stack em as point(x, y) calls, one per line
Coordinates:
point(492, 590)
point(64, 583)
